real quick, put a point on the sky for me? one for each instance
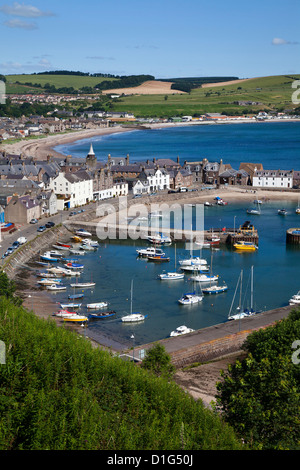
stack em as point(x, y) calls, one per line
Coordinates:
point(163, 38)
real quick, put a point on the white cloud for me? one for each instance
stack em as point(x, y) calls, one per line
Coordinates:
point(100, 57)
point(25, 11)
point(16, 23)
point(281, 41)
point(11, 68)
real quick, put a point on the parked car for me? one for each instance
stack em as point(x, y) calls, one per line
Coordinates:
point(73, 213)
point(42, 228)
point(22, 240)
point(49, 224)
point(15, 244)
point(137, 195)
point(34, 221)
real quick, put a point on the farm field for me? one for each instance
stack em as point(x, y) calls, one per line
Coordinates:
point(272, 93)
point(59, 81)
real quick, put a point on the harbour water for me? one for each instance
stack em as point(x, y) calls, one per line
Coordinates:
point(276, 265)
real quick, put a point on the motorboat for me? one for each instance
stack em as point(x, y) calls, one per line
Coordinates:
point(181, 330)
point(82, 285)
point(101, 315)
point(190, 298)
point(133, 317)
point(87, 241)
point(87, 247)
point(74, 266)
point(83, 233)
point(150, 251)
point(55, 287)
point(195, 268)
point(71, 305)
point(159, 258)
point(64, 313)
point(65, 245)
point(282, 212)
point(49, 282)
point(77, 252)
point(62, 248)
point(47, 257)
point(204, 278)
point(197, 261)
point(76, 318)
point(159, 238)
point(172, 276)
point(77, 239)
point(207, 204)
point(214, 289)
point(75, 296)
point(245, 246)
point(295, 299)
point(70, 272)
point(97, 305)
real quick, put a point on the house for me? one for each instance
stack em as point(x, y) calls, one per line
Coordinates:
point(140, 187)
point(234, 177)
point(273, 179)
point(250, 168)
point(180, 178)
point(48, 202)
point(22, 209)
point(72, 189)
point(158, 179)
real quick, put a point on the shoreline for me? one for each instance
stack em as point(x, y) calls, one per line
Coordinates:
point(41, 148)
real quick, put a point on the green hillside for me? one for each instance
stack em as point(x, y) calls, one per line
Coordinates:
point(59, 81)
point(273, 93)
point(60, 393)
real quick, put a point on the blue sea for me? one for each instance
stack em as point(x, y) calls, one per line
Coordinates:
point(115, 264)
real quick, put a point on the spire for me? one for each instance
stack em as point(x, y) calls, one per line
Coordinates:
point(91, 152)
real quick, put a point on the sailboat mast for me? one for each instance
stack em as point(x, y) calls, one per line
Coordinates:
point(251, 303)
point(241, 287)
point(131, 297)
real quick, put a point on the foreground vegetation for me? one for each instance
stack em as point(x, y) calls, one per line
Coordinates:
point(260, 396)
point(59, 393)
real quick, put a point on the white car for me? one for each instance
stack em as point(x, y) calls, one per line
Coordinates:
point(22, 240)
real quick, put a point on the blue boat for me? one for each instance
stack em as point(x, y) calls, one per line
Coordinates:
point(101, 315)
point(75, 296)
point(49, 259)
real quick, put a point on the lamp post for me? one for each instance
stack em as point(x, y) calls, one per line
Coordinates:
point(132, 337)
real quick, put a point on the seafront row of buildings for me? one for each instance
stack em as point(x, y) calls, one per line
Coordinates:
point(32, 188)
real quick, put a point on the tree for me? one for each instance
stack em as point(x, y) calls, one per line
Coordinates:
point(158, 361)
point(260, 396)
point(8, 288)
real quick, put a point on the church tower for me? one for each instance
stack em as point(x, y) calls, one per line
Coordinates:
point(91, 158)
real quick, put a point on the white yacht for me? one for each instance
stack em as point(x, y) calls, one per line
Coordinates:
point(181, 330)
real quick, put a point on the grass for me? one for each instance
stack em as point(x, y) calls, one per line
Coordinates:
point(59, 81)
point(273, 93)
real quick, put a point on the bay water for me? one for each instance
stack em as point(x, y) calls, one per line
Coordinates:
point(115, 264)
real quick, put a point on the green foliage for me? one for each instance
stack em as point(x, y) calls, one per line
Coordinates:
point(8, 289)
point(158, 361)
point(260, 396)
point(57, 392)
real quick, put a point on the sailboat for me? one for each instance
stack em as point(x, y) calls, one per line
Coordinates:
point(132, 317)
point(254, 211)
point(245, 312)
point(214, 289)
point(171, 276)
point(240, 315)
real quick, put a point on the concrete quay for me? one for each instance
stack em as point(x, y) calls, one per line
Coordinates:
point(214, 342)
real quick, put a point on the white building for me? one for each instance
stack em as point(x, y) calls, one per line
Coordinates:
point(158, 179)
point(72, 189)
point(273, 179)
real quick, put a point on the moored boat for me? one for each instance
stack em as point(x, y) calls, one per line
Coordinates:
point(214, 289)
point(171, 276)
point(101, 315)
point(295, 299)
point(82, 285)
point(190, 299)
point(245, 246)
point(55, 287)
point(150, 251)
point(83, 233)
point(97, 305)
point(181, 330)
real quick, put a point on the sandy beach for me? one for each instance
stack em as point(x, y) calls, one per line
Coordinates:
point(40, 148)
